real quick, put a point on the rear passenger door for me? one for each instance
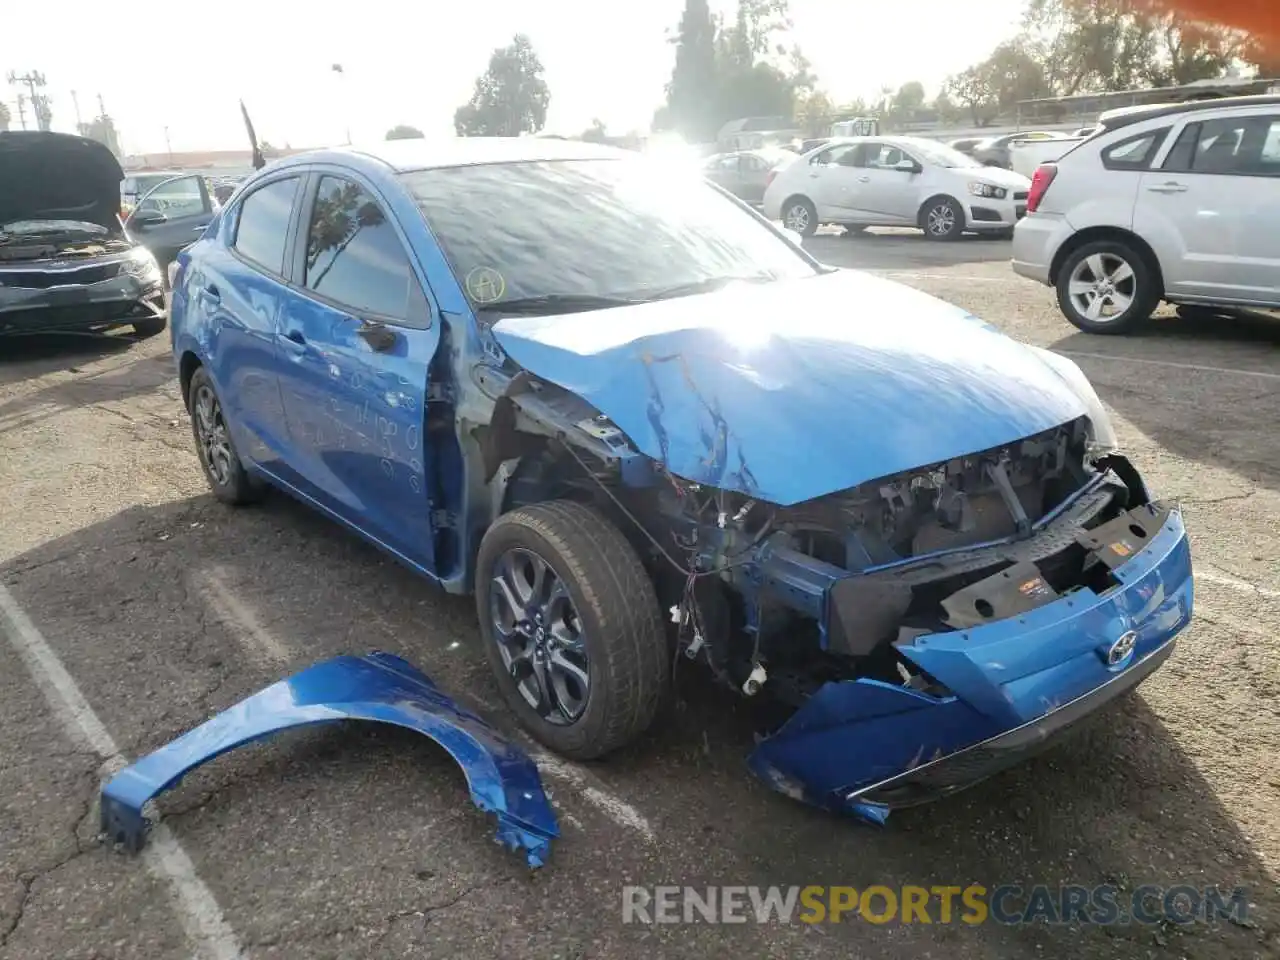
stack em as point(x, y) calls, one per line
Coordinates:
point(1211, 207)
point(356, 344)
point(236, 297)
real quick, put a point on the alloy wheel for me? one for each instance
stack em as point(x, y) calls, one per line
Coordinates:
point(1102, 287)
point(211, 433)
point(539, 635)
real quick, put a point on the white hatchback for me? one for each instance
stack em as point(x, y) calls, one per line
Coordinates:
point(1169, 202)
point(895, 182)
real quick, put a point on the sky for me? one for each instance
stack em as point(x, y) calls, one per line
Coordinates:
point(171, 75)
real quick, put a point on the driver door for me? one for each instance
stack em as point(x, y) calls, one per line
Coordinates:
point(885, 193)
point(171, 215)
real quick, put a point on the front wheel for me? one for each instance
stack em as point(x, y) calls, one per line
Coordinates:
point(571, 628)
point(942, 219)
point(1107, 287)
point(800, 215)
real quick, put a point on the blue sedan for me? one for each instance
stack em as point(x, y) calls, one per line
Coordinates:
point(640, 424)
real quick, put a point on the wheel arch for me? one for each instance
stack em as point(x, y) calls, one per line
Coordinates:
point(1117, 234)
point(188, 364)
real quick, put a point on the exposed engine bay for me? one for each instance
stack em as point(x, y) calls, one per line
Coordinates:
point(778, 601)
point(63, 240)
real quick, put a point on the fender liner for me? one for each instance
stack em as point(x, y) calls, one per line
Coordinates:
point(380, 687)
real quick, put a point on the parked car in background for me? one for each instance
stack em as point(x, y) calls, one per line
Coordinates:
point(807, 145)
point(65, 261)
point(965, 144)
point(134, 185)
point(594, 391)
point(895, 182)
point(1169, 202)
point(745, 173)
point(994, 151)
point(171, 215)
point(1025, 156)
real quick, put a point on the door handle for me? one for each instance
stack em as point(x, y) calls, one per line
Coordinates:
point(1171, 187)
point(211, 293)
point(378, 336)
point(296, 337)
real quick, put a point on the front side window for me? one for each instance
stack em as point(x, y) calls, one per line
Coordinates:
point(582, 230)
point(354, 255)
point(263, 223)
point(846, 155)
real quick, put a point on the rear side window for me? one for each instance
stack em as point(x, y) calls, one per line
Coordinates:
point(263, 224)
point(354, 255)
point(1136, 152)
point(1240, 146)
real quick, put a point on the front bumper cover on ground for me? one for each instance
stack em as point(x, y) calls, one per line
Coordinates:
point(1015, 685)
point(379, 687)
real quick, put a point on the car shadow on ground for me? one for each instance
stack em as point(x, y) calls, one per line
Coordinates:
point(29, 356)
point(903, 249)
point(1170, 408)
point(130, 375)
point(132, 604)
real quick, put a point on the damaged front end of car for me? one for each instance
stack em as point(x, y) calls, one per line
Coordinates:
point(907, 636)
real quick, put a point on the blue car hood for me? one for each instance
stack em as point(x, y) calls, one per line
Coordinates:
point(793, 390)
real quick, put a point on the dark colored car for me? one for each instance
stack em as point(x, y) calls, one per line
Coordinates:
point(66, 261)
point(746, 173)
point(965, 145)
point(639, 422)
point(994, 151)
point(171, 215)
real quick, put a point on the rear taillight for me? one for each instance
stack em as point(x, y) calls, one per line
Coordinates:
point(1040, 181)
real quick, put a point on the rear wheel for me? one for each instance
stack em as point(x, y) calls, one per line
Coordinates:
point(227, 477)
point(1107, 287)
point(571, 628)
point(799, 214)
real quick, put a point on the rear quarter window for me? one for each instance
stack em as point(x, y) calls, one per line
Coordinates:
point(1135, 152)
point(262, 224)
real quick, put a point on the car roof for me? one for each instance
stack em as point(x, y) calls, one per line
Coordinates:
point(431, 153)
point(1125, 116)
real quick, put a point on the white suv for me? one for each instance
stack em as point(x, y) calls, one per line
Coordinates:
point(1175, 202)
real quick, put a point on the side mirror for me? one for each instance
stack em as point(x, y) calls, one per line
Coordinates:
point(148, 218)
point(908, 166)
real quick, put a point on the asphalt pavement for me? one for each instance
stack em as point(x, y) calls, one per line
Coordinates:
point(132, 607)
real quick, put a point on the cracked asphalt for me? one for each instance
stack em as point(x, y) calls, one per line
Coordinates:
point(165, 607)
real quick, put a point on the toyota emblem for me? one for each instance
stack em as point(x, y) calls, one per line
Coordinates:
point(1121, 649)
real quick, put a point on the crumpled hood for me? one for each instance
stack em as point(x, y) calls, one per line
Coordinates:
point(794, 390)
point(57, 176)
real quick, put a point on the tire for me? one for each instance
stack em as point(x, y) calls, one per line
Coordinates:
point(799, 214)
point(619, 629)
point(942, 218)
point(152, 326)
point(854, 230)
point(227, 477)
point(1140, 287)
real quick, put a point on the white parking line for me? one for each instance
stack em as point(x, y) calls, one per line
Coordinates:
point(611, 805)
point(913, 275)
point(242, 622)
point(1199, 367)
point(1234, 583)
point(197, 910)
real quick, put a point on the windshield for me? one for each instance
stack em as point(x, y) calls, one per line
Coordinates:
point(593, 231)
point(941, 155)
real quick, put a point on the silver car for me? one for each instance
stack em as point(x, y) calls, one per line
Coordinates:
point(1172, 202)
point(745, 173)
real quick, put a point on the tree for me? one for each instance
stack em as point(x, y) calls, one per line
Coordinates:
point(510, 98)
point(402, 131)
point(691, 92)
point(103, 129)
point(972, 89)
point(4, 117)
point(814, 113)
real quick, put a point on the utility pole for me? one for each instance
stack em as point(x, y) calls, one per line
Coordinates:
point(22, 111)
point(337, 68)
point(39, 102)
point(75, 102)
point(167, 146)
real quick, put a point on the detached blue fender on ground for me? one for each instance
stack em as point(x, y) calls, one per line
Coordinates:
point(380, 687)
